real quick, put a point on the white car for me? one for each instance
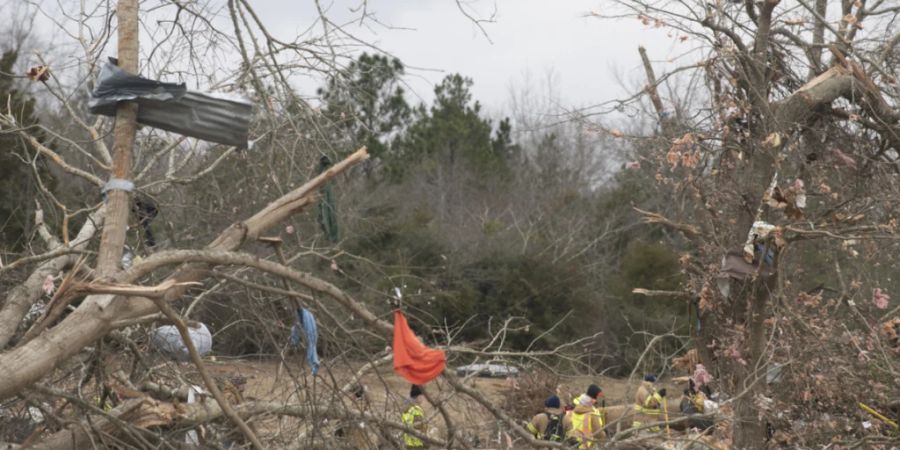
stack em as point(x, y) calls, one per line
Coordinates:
point(491, 370)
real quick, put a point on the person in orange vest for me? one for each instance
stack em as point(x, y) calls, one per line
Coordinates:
point(584, 425)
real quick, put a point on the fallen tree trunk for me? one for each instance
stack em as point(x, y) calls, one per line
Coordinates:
point(22, 366)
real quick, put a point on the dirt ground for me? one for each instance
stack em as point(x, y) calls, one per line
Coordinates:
point(270, 380)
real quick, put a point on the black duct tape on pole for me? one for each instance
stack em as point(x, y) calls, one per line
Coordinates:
point(220, 118)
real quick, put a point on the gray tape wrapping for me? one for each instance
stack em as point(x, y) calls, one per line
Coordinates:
point(118, 183)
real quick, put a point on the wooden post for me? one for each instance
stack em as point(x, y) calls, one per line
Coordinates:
point(119, 200)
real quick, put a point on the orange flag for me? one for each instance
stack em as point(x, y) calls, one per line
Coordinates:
point(412, 359)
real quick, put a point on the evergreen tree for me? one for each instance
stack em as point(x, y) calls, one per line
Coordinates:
point(452, 131)
point(366, 102)
point(17, 185)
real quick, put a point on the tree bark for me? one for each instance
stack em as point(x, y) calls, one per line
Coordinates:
point(801, 106)
point(751, 301)
point(818, 39)
point(749, 429)
point(113, 238)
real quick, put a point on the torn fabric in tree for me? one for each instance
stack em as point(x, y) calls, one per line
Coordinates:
point(220, 118)
point(414, 361)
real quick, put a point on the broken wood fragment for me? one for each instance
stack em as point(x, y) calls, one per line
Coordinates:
point(130, 290)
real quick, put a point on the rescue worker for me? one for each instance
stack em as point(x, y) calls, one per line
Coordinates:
point(584, 425)
point(694, 402)
point(687, 405)
point(648, 404)
point(353, 432)
point(593, 391)
point(548, 425)
point(414, 418)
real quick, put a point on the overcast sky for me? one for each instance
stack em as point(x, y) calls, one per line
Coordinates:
point(587, 56)
point(433, 38)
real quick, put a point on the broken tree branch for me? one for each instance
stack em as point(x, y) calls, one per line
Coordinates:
point(689, 231)
point(130, 290)
point(147, 412)
point(499, 414)
point(21, 297)
point(653, 293)
point(664, 121)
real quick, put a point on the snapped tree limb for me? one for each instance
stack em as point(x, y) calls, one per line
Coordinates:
point(21, 297)
point(23, 365)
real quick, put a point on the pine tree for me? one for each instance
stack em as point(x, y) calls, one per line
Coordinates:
point(366, 102)
point(453, 132)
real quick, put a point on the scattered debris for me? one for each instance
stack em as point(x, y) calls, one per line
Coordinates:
point(307, 326)
point(880, 298)
point(39, 73)
point(773, 140)
point(167, 339)
point(48, 286)
point(735, 265)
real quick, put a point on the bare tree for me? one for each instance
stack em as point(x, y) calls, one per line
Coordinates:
point(792, 149)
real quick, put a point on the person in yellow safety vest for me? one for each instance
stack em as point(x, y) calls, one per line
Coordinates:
point(414, 418)
point(694, 402)
point(699, 402)
point(691, 402)
point(594, 392)
point(584, 425)
point(648, 404)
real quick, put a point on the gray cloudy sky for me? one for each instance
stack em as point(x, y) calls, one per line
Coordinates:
point(536, 37)
point(528, 39)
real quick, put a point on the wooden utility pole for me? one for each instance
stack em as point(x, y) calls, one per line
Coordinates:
point(118, 191)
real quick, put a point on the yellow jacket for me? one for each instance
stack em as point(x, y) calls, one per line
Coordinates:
point(585, 425)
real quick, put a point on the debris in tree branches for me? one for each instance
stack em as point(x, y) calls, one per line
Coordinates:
point(220, 118)
point(39, 73)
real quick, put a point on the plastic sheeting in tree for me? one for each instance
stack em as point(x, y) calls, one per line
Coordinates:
point(220, 118)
